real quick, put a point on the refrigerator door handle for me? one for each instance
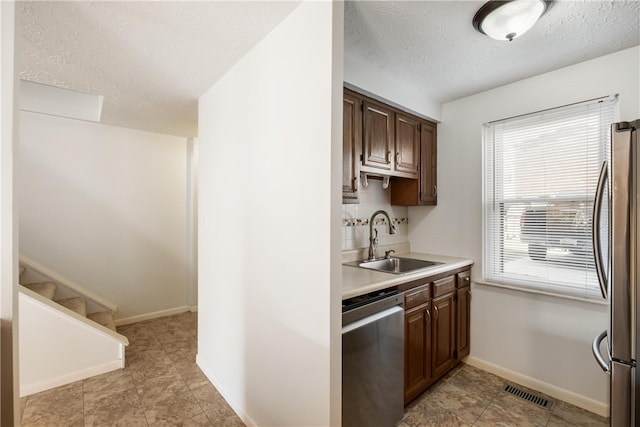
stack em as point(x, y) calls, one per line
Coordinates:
point(595, 347)
point(595, 230)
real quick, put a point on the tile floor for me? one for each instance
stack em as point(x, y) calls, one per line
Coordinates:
point(162, 386)
point(468, 396)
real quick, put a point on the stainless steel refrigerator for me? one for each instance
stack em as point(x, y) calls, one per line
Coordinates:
point(617, 258)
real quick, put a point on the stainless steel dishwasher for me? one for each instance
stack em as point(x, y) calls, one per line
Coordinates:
point(373, 360)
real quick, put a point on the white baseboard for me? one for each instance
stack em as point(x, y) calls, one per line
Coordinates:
point(29, 389)
point(578, 400)
point(153, 315)
point(246, 419)
point(193, 309)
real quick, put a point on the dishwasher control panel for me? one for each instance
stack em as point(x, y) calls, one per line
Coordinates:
point(364, 305)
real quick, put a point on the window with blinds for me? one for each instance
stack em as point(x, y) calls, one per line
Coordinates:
point(540, 176)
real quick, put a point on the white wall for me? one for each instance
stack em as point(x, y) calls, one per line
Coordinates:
point(9, 409)
point(105, 207)
point(192, 223)
point(387, 87)
point(270, 138)
point(58, 348)
point(544, 339)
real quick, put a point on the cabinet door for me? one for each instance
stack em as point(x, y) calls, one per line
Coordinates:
point(428, 164)
point(463, 311)
point(424, 190)
point(351, 145)
point(407, 144)
point(417, 351)
point(378, 136)
point(443, 334)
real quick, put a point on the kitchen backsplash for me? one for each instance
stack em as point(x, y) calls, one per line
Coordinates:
point(355, 218)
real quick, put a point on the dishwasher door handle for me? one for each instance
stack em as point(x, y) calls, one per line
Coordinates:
point(371, 319)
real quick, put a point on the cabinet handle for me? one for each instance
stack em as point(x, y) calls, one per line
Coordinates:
point(356, 183)
point(389, 157)
point(467, 279)
point(435, 190)
point(436, 312)
point(428, 315)
point(397, 159)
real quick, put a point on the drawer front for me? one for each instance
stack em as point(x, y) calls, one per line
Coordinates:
point(444, 286)
point(464, 279)
point(416, 296)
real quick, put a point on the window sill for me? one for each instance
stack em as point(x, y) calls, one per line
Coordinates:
point(600, 301)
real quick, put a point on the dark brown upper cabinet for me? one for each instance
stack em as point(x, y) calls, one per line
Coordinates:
point(378, 136)
point(351, 146)
point(407, 143)
point(391, 141)
point(429, 161)
point(423, 191)
point(381, 140)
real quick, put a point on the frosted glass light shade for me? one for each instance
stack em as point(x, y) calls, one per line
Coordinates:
point(506, 20)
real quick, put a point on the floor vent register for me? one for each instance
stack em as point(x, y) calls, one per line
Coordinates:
point(525, 395)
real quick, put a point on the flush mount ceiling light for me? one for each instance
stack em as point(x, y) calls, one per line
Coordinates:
point(506, 20)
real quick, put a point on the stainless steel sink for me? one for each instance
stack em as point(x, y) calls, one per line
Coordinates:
point(395, 265)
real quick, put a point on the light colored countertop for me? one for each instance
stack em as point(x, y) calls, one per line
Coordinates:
point(359, 281)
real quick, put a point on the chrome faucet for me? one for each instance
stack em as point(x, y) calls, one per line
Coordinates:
point(373, 237)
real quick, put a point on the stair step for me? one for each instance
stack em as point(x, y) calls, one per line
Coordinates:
point(77, 304)
point(46, 289)
point(105, 318)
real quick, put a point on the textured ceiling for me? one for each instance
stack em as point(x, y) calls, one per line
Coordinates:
point(150, 60)
point(433, 44)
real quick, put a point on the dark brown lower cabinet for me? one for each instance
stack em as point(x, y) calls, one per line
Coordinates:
point(417, 338)
point(417, 363)
point(436, 331)
point(463, 324)
point(443, 334)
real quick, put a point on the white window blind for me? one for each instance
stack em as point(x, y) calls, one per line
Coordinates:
point(540, 176)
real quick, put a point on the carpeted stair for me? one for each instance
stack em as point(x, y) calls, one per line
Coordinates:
point(76, 304)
